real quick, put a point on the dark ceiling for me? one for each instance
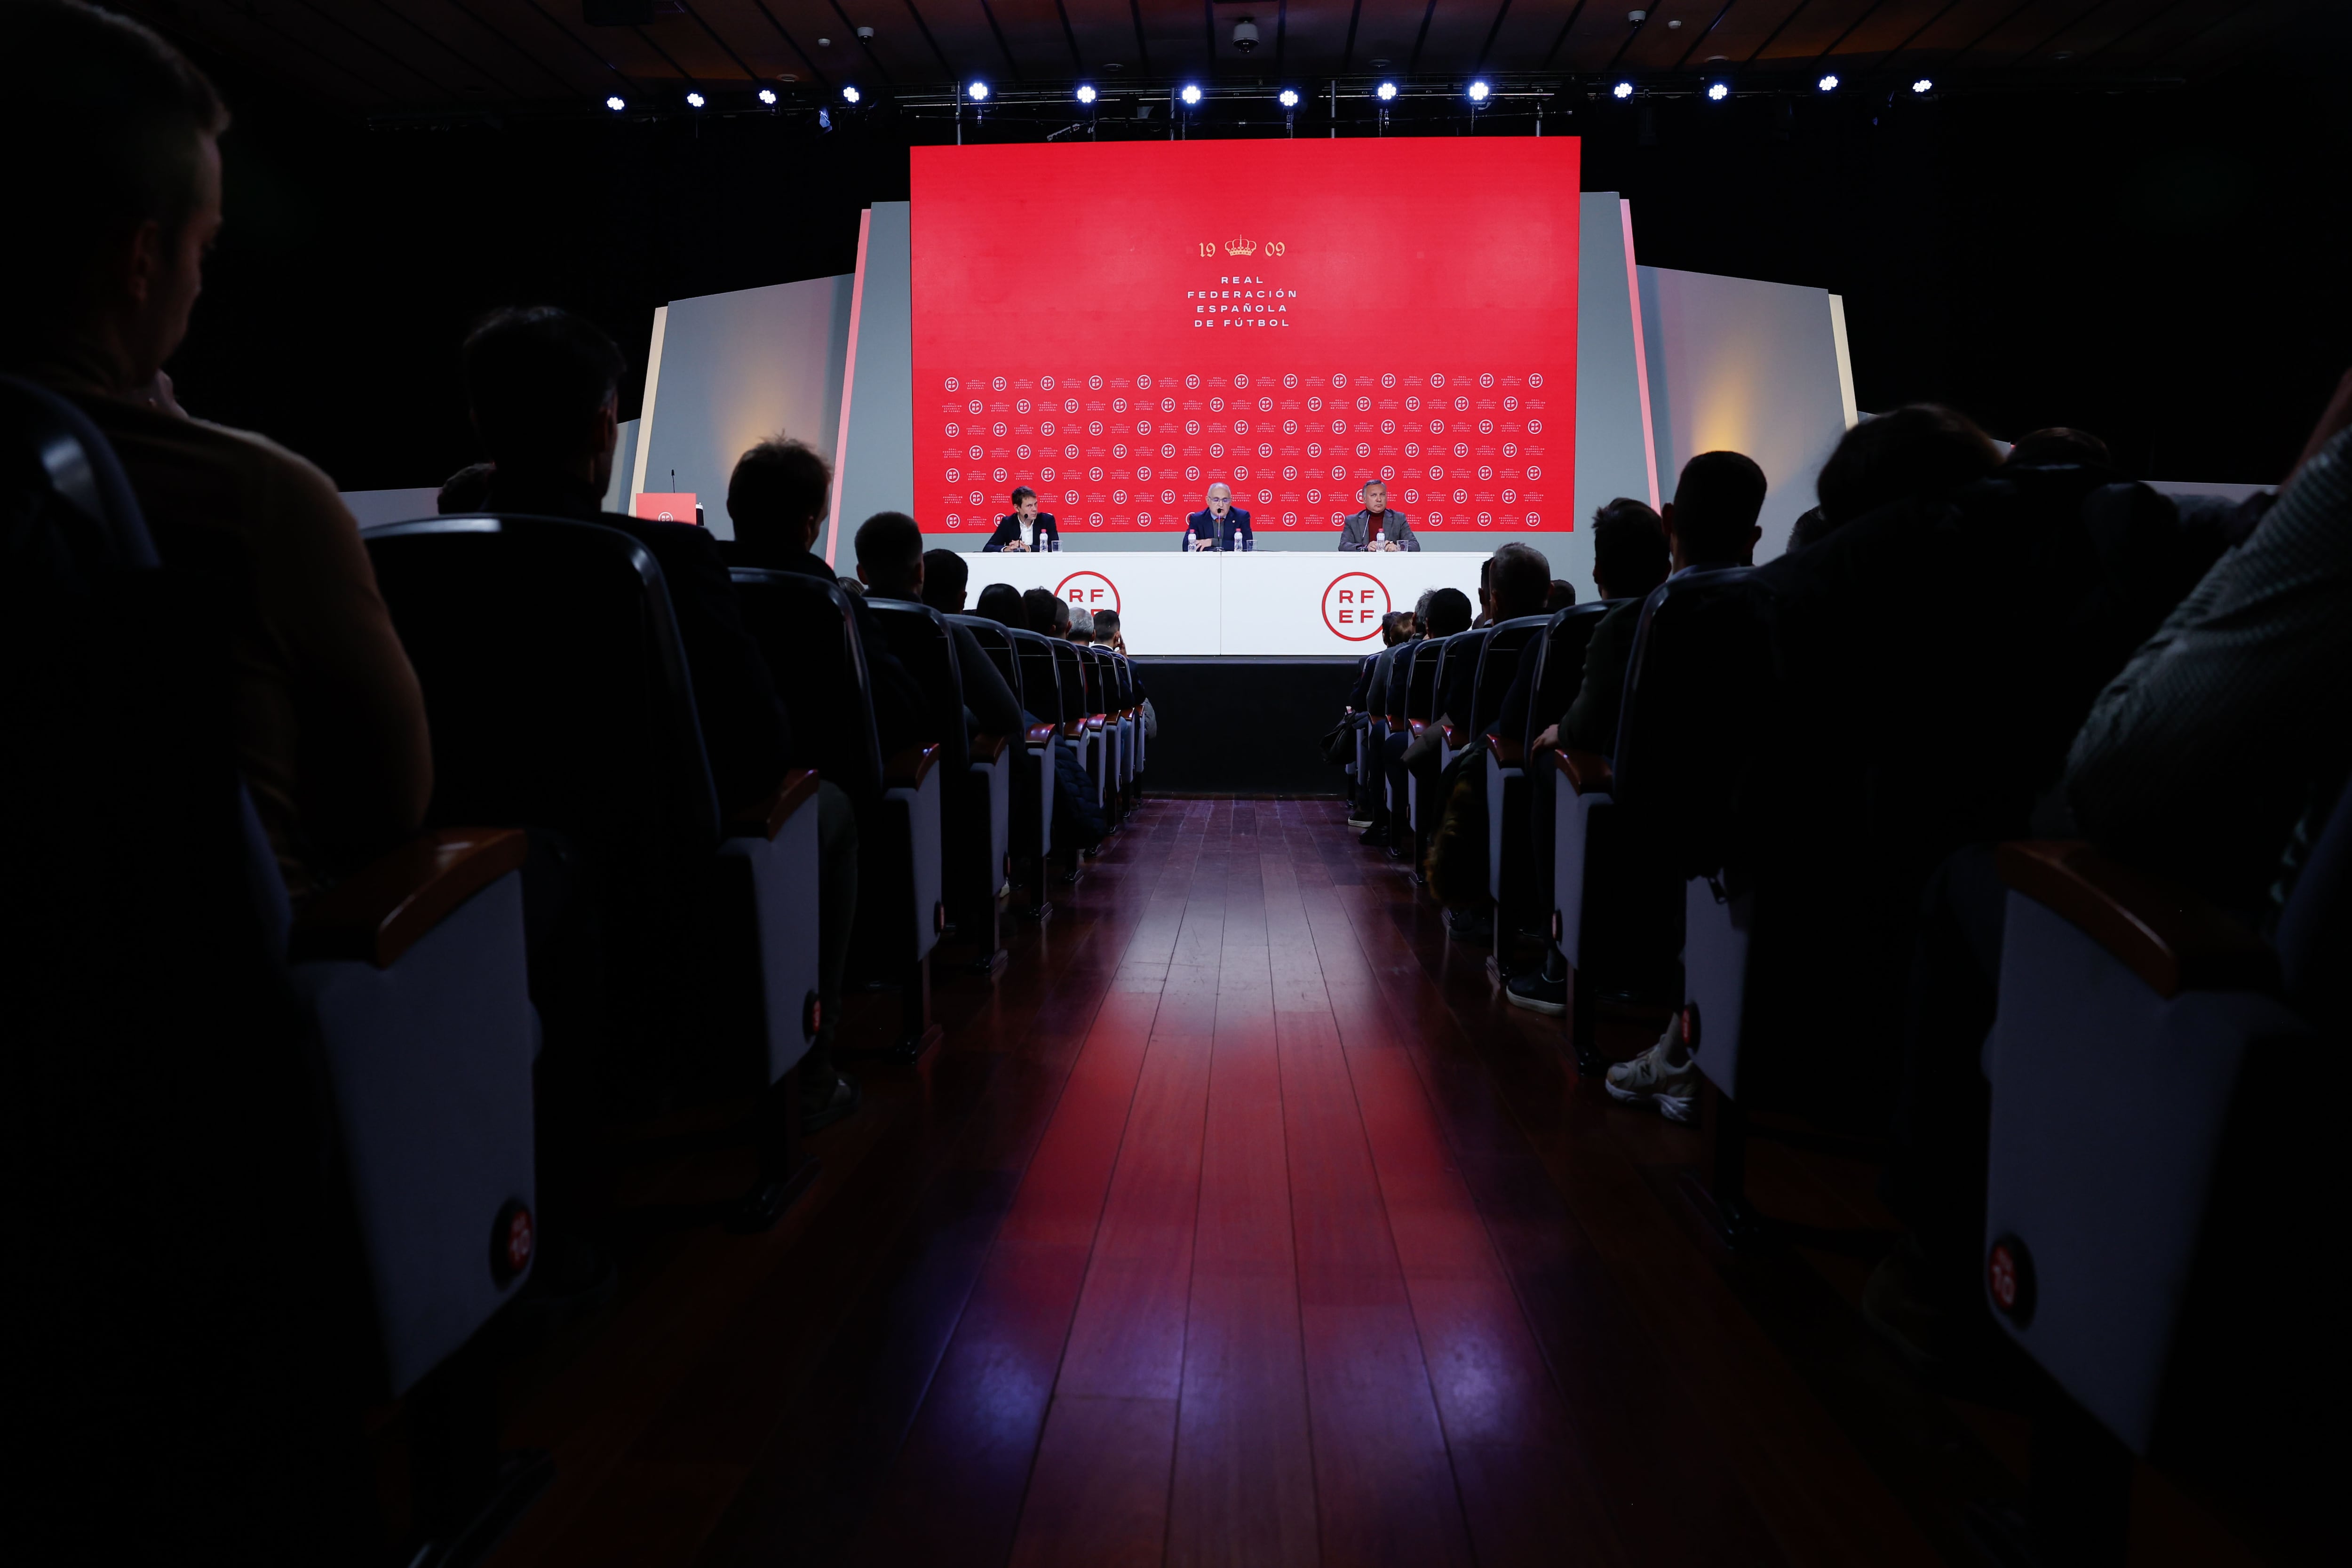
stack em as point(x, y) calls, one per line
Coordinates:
point(373, 55)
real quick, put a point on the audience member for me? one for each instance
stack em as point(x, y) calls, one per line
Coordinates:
point(1001, 603)
point(778, 497)
point(2058, 445)
point(945, 577)
point(891, 562)
point(2197, 762)
point(1710, 524)
point(123, 182)
point(466, 491)
point(1913, 451)
point(544, 388)
point(1047, 615)
point(1107, 633)
point(1082, 624)
point(1561, 597)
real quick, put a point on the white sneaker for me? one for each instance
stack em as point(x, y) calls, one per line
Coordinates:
point(1360, 823)
point(1649, 1078)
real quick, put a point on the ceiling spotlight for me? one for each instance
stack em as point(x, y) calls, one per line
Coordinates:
point(1387, 90)
point(1716, 92)
point(694, 100)
point(850, 95)
point(1191, 94)
point(1288, 97)
point(1086, 94)
point(1923, 85)
point(1827, 84)
point(1478, 92)
point(616, 104)
point(1622, 91)
point(768, 96)
point(977, 92)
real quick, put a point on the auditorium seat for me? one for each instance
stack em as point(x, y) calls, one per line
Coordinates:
point(258, 1154)
point(1420, 818)
point(1028, 816)
point(1130, 726)
point(673, 949)
point(1505, 777)
point(1082, 728)
point(1519, 831)
point(1461, 735)
point(976, 801)
point(2156, 1184)
point(1043, 701)
point(1617, 895)
point(807, 631)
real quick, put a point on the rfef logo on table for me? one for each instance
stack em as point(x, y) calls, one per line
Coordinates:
point(1354, 604)
point(1090, 591)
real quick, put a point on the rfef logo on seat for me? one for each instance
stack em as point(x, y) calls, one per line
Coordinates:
point(1354, 604)
point(1090, 591)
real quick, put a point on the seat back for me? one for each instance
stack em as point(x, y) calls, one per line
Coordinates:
point(2315, 932)
point(918, 638)
point(1041, 676)
point(557, 688)
point(195, 1280)
point(1420, 681)
point(1077, 685)
point(807, 631)
point(1460, 646)
point(1559, 668)
point(1498, 666)
point(995, 639)
point(1697, 692)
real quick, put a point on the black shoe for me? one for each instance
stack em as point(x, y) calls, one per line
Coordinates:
point(1377, 835)
point(1537, 994)
point(1476, 926)
point(823, 1109)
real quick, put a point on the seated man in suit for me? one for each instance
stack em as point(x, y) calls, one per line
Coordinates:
point(1378, 527)
point(1219, 525)
point(1025, 529)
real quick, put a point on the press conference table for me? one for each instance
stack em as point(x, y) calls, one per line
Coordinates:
point(1257, 603)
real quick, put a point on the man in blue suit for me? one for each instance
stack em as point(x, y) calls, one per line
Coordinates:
point(1220, 525)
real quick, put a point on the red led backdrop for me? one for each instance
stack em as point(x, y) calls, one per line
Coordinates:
point(1119, 325)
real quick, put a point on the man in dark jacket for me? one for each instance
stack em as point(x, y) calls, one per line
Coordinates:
point(1025, 529)
point(1376, 528)
point(1219, 525)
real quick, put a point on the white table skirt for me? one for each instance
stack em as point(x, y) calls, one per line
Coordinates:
point(1252, 603)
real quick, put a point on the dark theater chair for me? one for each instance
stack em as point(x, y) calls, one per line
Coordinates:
point(1420, 816)
point(2156, 1182)
point(224, 1099)
point(1042, 698)
point(1519, 831)
point(807, 631)
point(1505, 774)
point(1028, 773)
point(1082, 727)
point(1460, 735)
point(976, 800)
point(673, 948)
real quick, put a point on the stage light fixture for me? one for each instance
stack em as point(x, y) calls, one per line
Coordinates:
point(850, 95)
point(1478, 90)
point(616, 104)
point(1191, 95)
point(1924, 84)
point(768, 96)
point(977, 92)
point(1288, 98)
point(1716, 92)
point(1827, 84)
point(694, 100)
point(1086, 94)
point(1387, 90)
point(1622, 92)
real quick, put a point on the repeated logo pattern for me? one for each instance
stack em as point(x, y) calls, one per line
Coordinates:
point(1457, 447)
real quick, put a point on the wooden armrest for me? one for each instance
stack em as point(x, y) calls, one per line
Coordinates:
point(2162, 933)
point(394, 901)
point(1038, 734)
point(1093, 721)
point(1396, 724)
point(1587, 772)
point(910, 767)
point(1073, 729)
point(766, 818)
point(987, 748)
point(1451, 731)
point(1510, 753)
point(1416, 725)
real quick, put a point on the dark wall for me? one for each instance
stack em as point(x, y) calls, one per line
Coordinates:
point(2162, 268)
point(1242, 727)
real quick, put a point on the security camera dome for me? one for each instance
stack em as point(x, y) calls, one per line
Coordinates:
point(1245, 34)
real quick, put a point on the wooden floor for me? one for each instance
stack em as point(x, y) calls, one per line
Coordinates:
point(1239, 1223)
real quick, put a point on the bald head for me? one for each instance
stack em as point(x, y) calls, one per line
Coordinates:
point(1221, 498)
